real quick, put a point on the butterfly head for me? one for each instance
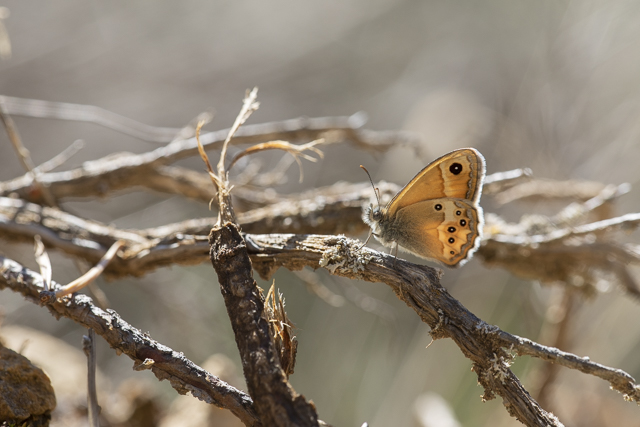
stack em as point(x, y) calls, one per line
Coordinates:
point(372, 215)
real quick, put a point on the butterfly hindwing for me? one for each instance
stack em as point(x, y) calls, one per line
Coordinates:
point(446, 229)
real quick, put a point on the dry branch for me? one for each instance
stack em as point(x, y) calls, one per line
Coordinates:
point(419, 288)
point(120, 171)
point(166, 364)
point(275, 401)
point(569, 248)
point(579, 255)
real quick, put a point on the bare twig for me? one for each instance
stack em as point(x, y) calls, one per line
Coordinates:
point(577, 211)
point(315, 285)
point(86, 278)
point(5, 42)
point(500, 181)
point(550, 189)
point(548, 374)
point(42, 258)
point(553, 251)
point(87, 113)
point(60, 158)
point(304, 128)
point(617, 378)
point(189, 131)
point(628, 221)
point(89, 348)
point(296, 151)
point(579, 256)
point(249, 105)
point(23, 154)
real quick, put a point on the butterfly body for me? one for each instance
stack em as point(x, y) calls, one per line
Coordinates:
point(436, 216)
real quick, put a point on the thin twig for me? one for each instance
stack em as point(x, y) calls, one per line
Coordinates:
point(550, 189)
point(249, 105)
point(548, 374)
point(87, 113)
point(86, 278)
point(296, 151)
point(23, 154)
point(5, 42)
point(89, 348)
point(203, 155)
point(60, 158)
point(500, 181)
point(42, 258)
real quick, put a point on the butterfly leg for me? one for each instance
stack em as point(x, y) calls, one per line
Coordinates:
point(366, 241)
point(395, 255)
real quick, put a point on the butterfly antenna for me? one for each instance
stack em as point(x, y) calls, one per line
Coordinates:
point(375, 189)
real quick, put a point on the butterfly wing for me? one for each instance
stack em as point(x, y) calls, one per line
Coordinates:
point(447, 230)
point(458, 174)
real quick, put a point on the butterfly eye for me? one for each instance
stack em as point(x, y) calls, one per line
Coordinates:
point(455, 168)
point(451, 229)
point(463, 222)
point(376, 215)
point(452, 240)
point(438, 207)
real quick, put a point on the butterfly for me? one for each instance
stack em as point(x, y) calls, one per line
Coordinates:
point(436, 216)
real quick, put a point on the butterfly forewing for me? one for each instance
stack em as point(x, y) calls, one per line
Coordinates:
point(457, 174)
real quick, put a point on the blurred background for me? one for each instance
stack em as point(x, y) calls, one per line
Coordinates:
point(549, 85)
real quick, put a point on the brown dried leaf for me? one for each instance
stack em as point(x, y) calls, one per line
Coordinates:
point(280, 325)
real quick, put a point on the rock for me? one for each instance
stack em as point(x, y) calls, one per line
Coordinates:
point(25, 390)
